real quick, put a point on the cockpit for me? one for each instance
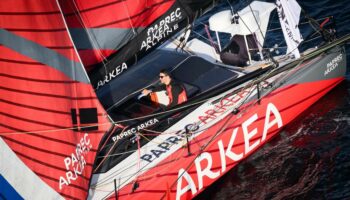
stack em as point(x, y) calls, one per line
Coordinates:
point(121, 97)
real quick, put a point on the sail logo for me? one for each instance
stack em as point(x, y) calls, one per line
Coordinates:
point(111, 75)
point(135, 130)
point(228, 102)
point(333, 64)
point(161, 30)
point(283, 18)
point(75, 163)
point(252, 138)
point(289, 14)
point(224, 105)
point(163, 147)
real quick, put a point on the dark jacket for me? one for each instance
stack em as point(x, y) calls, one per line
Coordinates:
point(175, 91)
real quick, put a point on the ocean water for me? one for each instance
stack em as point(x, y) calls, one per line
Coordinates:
point(310, 159)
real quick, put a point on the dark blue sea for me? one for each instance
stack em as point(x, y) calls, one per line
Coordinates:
point(310, 159)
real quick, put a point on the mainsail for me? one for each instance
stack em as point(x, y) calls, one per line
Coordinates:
point(112, 35)
point(51, 121)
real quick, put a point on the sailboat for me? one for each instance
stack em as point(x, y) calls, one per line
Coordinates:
point(60, 138)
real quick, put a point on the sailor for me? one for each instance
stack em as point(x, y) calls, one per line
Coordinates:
point(174, 90)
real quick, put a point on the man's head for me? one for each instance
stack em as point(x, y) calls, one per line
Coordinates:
point(164, 77)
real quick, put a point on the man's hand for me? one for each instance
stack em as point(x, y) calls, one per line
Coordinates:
point(146, 92)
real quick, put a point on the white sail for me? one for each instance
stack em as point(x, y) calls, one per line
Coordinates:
point(289, 14)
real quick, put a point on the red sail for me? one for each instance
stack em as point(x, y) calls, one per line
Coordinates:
point(112, 35)
point(51, 121)
point(100, 28)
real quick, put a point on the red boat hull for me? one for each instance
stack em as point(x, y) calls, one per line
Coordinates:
point(162, 181)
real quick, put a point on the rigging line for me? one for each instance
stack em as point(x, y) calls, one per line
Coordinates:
point(230, 7)
point(176, 158)
point(243, 101)
point(104, 182)
point(143, 176)
point(104, 159)
point(127, 96)
point(91, 36)
point(163, 112)
point(211, 40)
point(238, 91)
point(71, 39)
point(274, 82)
point(115, 123)
point(108, 145)
point(250, 30)
point(117, 154)
point(202, 150)
point(294, 69)
point(302, 23)
point(139, 156)
point(313, 22)
point(149, 140)
point(109, 135)
point(158, 132)
point(127, 11)
point(301, 62)
point(282, 47)
point(287, 55)
point(253, 83)
point(256, 21)
point(180, 146)
point(270, 22)
point(137, 91)
point(144, 136)
point(52, 130)
point(223, 128)
point(198, 34)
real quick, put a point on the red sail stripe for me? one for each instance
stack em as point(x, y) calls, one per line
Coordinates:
point(44, 109)
point(91, 57)
point(36, 122)
point(95, 14)
point(34, 147)
point(8, 130)
point(36, 107)
point(30, 94)
point(23, 6)
point(32, 29)
point(36, 80)
point(7, 53)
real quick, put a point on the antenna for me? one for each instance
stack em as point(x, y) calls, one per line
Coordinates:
point(232, 12)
